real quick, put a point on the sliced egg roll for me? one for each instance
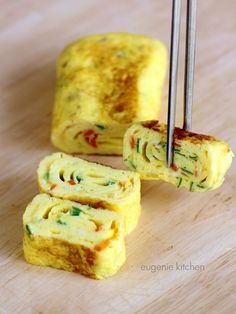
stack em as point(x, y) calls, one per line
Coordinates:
point(200, 161)
point(74, 237)
point(75, 179)
point(104, 83)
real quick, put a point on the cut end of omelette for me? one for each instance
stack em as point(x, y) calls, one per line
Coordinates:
point(66, 177)
point(74, 237)
point(200, 161)
point(106, 82)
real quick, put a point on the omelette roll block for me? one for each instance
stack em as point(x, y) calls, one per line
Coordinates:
point(200, 161)
point(104, 83)
point(72, 178)
point(74, 237)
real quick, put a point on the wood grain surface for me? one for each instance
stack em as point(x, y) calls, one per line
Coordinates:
point(176, 227)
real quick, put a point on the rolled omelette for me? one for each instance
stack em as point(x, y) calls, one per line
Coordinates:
point(200, 161)
point(74, 237)
point(75, 179)
point(104, 83)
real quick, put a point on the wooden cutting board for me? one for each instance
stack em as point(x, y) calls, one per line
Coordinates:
point(182, 256)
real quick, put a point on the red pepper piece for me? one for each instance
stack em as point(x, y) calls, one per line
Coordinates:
point(91, 137)
point(53, 185)
point(88, 132)
point(71, 182)
point(98, 228)
point(132, 141)
point(177, 145)
point(103, 245)
point(93, 140)
point(174, 167)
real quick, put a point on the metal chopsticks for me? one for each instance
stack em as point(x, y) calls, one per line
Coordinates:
point(174, 56)
point(173, 73)
point(189, 62)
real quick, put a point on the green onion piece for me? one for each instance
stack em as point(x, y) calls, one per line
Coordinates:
point(203, 180)
point(61, 81)
point(179, 183)
point(177, 151)
point(75, 211)
point(137, 144)
point(201, 186)
point(121, 54)
point(59, 221)
point(100, 126)
point(46, 176)
point(163, 145)
point(186, 170)
point(27, 227)
point(132, 164)
point(64, 65)
point(110, 182)
point(78, 179)
point(155, 157)
point(194, 157)
point(191, 186)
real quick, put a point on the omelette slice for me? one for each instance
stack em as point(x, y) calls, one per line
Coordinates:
point(75, 179)
point(104, 83)
point(200, 161)
point(74, 237)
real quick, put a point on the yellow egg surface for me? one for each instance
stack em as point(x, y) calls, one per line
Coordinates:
point(75, 179)
point(74, 237)
point(200, 161)
point(106, 82)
